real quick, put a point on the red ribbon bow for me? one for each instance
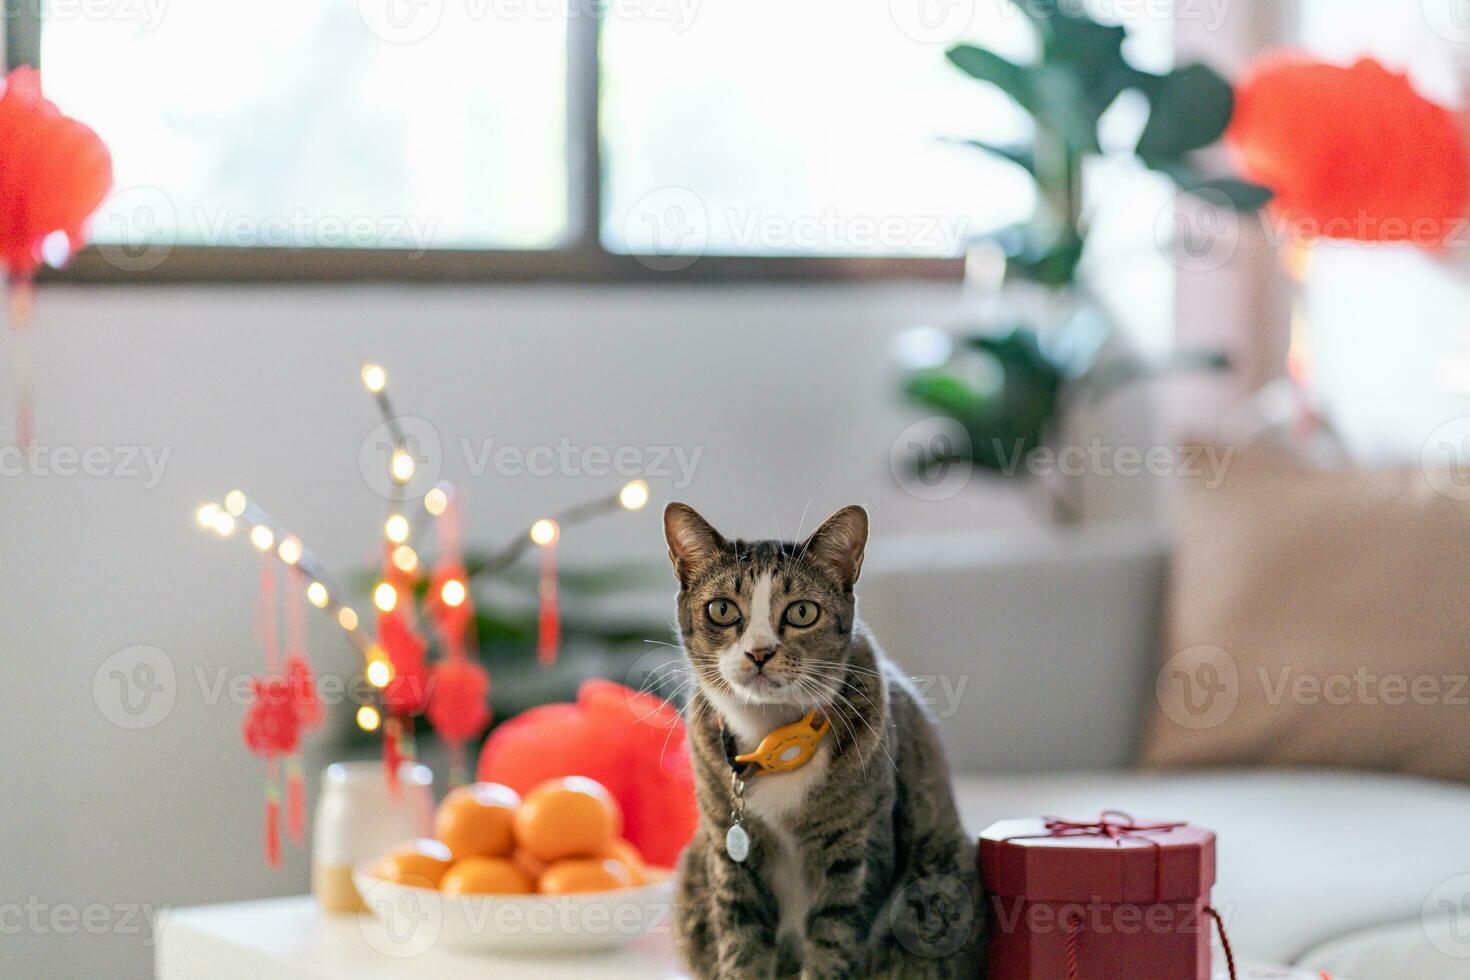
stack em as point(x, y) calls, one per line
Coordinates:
point(1125, 828)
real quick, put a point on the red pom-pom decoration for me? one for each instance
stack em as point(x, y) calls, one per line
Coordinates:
point(54, 172)
point(632, 743)
point(458, 707)
point(271, 727)
point(302, 684)
point(1352, 153)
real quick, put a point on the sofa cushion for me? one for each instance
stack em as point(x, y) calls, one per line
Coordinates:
point(1317, 618)
point(1435, 949)
point(1303, 857)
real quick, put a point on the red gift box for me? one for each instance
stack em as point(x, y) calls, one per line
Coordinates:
point(1098, 900)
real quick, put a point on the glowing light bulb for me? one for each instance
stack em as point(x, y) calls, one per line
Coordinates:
point(262, 537)
point(385, 597)
point(396, 529)
point(379, 673)
point(401, 466)
point(453, 592)
point(405, 559)
point(544, 531)
point(316, 594)
point(235, 503)
point(633, 495)
point(290, 550)
point(347, 618)
point(224, 524)
point(374, 377)
point(436, 501)
point(206, 515)
point(368, 718)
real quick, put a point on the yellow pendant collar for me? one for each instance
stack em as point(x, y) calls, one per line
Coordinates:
point(788, 747)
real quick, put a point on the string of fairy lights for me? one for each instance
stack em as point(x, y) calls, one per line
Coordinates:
point(239, 515)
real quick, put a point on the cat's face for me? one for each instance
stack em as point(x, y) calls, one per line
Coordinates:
point(767, 622)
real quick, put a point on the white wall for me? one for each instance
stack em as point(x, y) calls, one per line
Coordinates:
point(789, 394)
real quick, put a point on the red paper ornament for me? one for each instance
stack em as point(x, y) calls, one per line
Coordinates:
point(271, 730)
point(54, 172)
point(632, 743)
point(271, 727)
point(301, 683)
point(458, 706)
point(1353, 153)
point(407, 692)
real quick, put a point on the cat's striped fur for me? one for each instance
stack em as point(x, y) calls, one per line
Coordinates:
point(858, 864)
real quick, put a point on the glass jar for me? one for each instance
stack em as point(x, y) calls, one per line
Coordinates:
point(359, 818)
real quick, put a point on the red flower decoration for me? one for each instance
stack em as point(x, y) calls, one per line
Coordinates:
point(54, 172)
point(631, 743)
point(272, 727)
point(1351, 153)
point(302, 684)
point(457, 703)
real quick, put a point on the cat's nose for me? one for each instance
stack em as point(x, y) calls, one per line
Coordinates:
point(760, 655)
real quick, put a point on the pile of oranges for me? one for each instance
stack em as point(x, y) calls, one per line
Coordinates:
point(564, 837)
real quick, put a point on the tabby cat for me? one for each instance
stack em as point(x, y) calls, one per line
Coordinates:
point(852, 863)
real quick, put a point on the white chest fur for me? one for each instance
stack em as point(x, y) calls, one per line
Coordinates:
point(778, 800)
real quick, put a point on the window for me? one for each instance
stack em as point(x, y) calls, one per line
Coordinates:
point(526, 138)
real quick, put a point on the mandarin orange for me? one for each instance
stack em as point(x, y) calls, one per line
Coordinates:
point(475, 820)
point(487, 876)
point(569, 817)
point(584, 875)
point(419, 863)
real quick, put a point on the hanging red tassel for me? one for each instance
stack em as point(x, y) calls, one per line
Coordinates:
point(22, 309)
point(271, 730)
point(549, 639)
point(295, 800)
point(272, 825)
point(267, 631)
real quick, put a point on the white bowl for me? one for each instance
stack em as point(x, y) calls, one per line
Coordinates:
point(412, 920)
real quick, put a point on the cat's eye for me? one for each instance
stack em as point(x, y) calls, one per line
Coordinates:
point(802, 613)
point(722, 612)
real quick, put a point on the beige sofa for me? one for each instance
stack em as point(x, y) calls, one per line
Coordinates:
point(1038, 656)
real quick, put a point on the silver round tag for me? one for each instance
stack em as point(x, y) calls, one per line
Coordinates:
point(737, 843)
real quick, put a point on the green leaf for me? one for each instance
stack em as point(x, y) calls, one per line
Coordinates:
point(1190, 108)
point(1021, 156)
point(987, 66)
point(1063, 107)
point(944, 393)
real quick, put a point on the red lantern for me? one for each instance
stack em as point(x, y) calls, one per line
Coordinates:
point(1351, 153)
point(54, 172)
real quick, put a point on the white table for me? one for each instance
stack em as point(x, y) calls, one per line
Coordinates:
point(289, 939)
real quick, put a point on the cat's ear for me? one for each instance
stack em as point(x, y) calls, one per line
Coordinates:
point(838, 544)
point(692, 540)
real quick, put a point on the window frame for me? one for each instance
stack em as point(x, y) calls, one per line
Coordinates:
point(581, 258)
